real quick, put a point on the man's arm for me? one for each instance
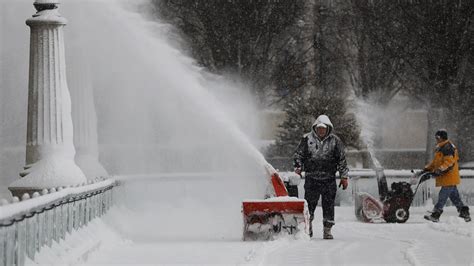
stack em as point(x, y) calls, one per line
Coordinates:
point(449, 160)
point(341, 155)
point(300, 153)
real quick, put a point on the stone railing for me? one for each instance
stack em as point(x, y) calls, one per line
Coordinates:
point(35, 221)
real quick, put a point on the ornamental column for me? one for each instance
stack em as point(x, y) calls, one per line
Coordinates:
point(84, 117)
point(49, 146)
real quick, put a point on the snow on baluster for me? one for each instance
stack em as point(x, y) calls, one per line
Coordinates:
point(88, 209)
point(94, 206)
point(36, 227)
point(101, 204)
point(70, 215)
point(64, 213)
point(81, 213)
point(31, 224)
point(20, 239)
point(3, 240)
point(57, 223)
point(77, 205)
point(10, 244)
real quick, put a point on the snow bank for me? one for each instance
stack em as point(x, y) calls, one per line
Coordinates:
point(77, 247)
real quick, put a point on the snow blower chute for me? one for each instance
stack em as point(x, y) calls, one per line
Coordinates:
point(394, 204)
point(278, 214)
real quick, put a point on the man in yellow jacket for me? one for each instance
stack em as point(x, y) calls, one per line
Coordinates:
point(445, 168)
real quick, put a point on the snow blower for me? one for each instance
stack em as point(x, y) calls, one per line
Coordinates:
point(277, 214)
point(394, 204)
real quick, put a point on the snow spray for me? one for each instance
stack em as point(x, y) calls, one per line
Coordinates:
point(366, 117)
point(157, 113)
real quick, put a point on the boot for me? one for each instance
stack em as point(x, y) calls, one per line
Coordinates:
point(327, 233)
point(464, 213)
point(434, 217)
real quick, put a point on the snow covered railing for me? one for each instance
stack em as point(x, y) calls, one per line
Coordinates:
point(37, 220)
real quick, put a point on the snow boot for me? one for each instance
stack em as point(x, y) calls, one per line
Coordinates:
point(327, 233)
point(434, 217)
point(464, 213)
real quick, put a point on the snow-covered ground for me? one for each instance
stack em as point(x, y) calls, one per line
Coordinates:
point(417, 242)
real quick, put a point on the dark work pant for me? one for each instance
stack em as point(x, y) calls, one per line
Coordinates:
point(327, 190)
point(448, 192)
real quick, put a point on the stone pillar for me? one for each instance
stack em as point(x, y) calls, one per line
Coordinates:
point(49, 148)
point(85, 120)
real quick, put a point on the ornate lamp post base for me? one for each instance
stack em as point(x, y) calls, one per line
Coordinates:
point(48, 173)
point(49, 148)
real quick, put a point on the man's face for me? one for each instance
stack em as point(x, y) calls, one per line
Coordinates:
point(438, 139)
point(321, 131)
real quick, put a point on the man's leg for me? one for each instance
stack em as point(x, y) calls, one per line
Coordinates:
point(328, 195)
point(311, 195)
point(462, 209)
point(443, 196)
point(455, 198)
point(438, 208)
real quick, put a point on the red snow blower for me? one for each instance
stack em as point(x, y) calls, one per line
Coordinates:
point(394, 204)
point(265, 218)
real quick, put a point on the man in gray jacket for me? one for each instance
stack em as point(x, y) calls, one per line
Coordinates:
point(320, 155)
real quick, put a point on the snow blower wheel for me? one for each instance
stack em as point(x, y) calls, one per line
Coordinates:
point(397, 203)
point(402, 215)
point(397, 214)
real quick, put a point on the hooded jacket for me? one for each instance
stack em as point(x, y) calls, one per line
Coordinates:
point(446, 162)
point(321, 158)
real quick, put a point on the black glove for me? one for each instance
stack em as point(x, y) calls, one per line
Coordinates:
point(425, 176)
point(437, 172)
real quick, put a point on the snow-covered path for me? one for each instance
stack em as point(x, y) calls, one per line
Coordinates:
point(415, 243)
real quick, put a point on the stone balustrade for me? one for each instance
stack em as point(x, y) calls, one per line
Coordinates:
point(35, 221)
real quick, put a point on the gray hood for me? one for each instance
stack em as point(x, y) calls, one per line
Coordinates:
point(325, 120)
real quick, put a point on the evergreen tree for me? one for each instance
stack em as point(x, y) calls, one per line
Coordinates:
point(301, 112)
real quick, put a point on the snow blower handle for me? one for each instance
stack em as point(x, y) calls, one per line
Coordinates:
point(421, 176)
point(425, 175)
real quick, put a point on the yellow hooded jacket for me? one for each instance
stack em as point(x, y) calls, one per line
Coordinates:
point(445, 161)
